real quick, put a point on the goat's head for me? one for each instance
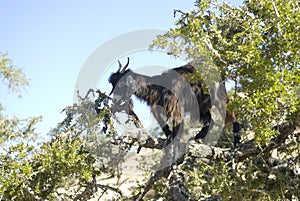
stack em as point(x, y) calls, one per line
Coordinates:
point(122, 81)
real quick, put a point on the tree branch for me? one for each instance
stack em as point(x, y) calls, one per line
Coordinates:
point(206, 152)
point(106, 187)
point(163, 173)
point(202, 151)
point(143, 139)
point(245, 150)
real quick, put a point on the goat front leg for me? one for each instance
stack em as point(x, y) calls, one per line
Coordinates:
point(157, 111)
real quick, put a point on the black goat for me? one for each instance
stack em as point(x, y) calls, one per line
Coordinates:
point(170, 96)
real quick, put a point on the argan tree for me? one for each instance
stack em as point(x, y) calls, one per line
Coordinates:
point(255, 46)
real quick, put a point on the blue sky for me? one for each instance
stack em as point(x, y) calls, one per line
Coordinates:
point(51, 40)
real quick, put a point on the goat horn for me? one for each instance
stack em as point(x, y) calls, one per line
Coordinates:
point(123, 70)
point(120, 65)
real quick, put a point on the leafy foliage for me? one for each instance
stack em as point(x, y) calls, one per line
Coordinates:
point(61, 168)
point(11, 76)
point(255, 46)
